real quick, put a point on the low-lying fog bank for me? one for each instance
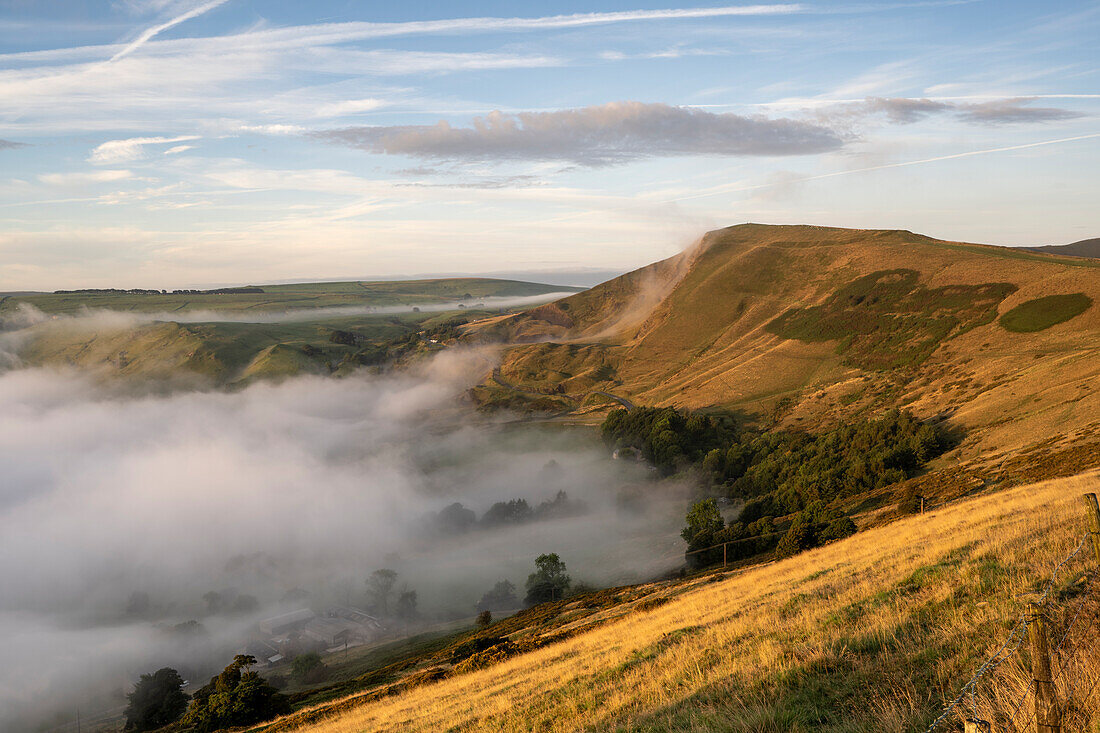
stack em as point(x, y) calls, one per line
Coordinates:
point(121, 514)
point(27, 315)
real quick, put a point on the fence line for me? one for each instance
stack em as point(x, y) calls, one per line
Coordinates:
point(735, 542)
point(1048, 712)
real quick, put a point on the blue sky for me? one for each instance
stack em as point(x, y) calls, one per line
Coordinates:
point(169, 143)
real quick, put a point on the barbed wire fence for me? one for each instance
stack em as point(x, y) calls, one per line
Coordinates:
point(1028, 684)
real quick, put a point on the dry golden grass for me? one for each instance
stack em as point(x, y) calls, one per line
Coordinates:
point(870, 633)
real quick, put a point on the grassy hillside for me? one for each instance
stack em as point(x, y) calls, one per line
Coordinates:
point(873, 632)
point(811, 325)
point(136, 335)
point(275, 298)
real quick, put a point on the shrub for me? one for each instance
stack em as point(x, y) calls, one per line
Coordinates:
point(909, 502)
point(799, 537)
point(837, 529)
point(1042, 313)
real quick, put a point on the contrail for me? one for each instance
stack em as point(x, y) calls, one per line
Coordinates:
point(938, 158)
point(150, 32)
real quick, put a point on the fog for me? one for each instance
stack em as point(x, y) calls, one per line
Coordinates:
point(119, 511)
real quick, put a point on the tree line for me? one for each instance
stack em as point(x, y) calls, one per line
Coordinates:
point(457, 519)
point(788, 479)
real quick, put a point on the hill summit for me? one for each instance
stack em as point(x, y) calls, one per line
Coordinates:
point(801, 326)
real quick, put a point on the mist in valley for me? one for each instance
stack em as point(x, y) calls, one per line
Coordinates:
point(124, 514)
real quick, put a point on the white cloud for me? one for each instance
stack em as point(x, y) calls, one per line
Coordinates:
point(178, 149)
point(271, 129)
point(121, 151)
point(83, 178)
point(349, 107)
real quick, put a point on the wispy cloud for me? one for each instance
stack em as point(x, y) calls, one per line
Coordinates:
point(328, 34)
point(907, 110)
point(120, 151)
point(149, 33)
point(592, 136)
point(84, 177)
point(787, 179)
point(1007, 111)
point(10, 145)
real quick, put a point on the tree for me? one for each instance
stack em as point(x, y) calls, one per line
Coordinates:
point(308, 668)
point(455, 519)
point(233, 698)
point(501, 598)
point(245, 604)
point(513, 511)
point(157, 700)
point(213, 601)
point(139, 604)
point(549, 581)
point(704, 520)
point(484, 618)
point(406, 604)
point(380, 586)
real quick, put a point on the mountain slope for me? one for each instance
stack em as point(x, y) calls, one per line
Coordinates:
point(1084, 248)
point(811, 325)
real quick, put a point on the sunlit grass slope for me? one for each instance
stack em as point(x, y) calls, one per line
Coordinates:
point(811, 326)
point(870, 633)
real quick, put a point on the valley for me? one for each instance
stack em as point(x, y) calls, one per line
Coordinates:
point(799, 392)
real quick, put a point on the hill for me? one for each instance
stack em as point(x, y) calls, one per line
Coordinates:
point(1084, 248)
point(808, 326)
point(280, 298)
point(249, 333)
point(873, 632)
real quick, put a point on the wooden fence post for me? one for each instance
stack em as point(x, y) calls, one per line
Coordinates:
point(1047, 715)
point(1094, 524)
point(724, 546)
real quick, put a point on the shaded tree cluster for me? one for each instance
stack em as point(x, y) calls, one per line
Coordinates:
point(811, 527)
point(237, 696)
point(668, 438)
point(457, 519)
point(380, 591)
point(788, 475)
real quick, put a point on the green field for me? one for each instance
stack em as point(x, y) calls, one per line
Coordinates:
point(309, 328)
point(276, 298)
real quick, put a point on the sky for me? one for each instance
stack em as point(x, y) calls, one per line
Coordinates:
point(185, 143)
